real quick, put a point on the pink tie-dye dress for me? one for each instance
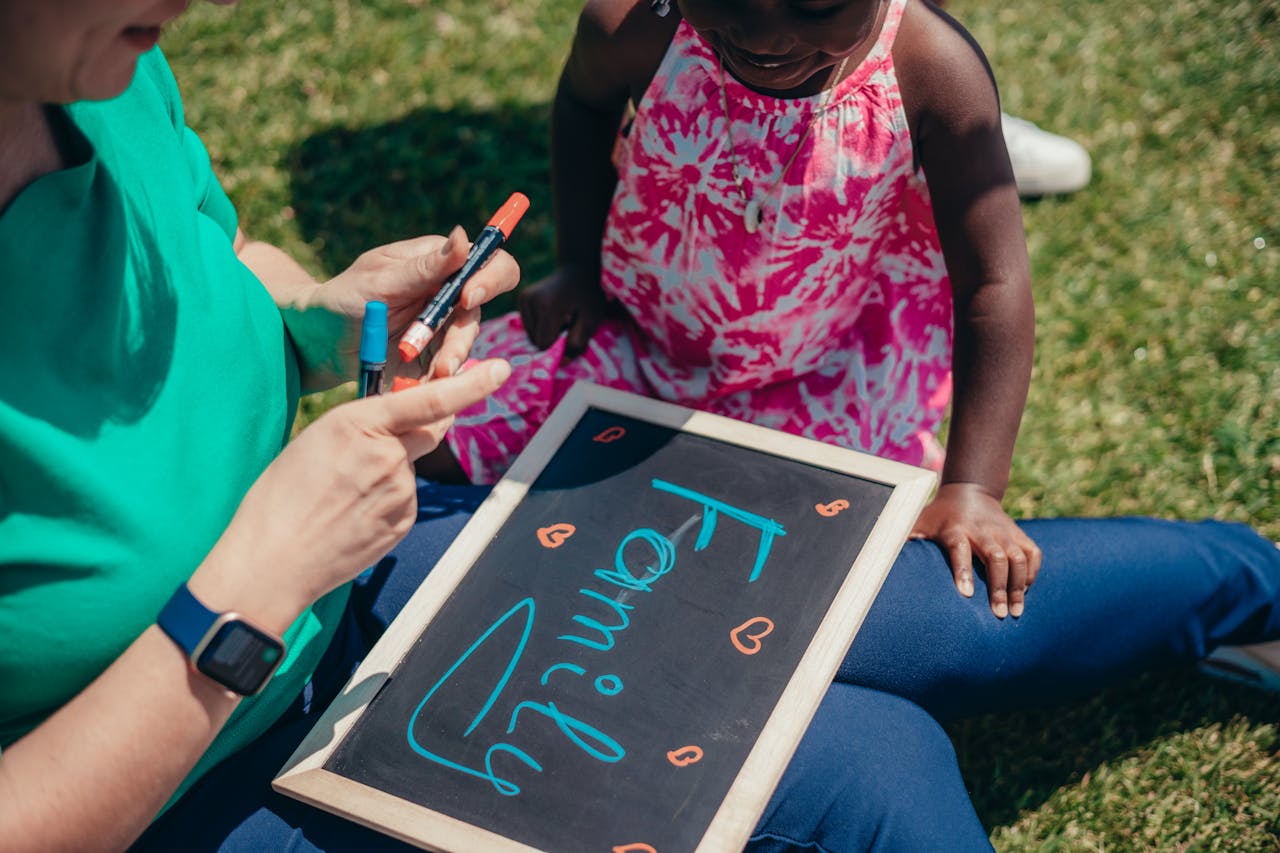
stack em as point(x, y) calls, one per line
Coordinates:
point(832, 320)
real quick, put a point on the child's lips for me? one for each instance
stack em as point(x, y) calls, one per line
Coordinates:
point(763, 71)
point(764, 62)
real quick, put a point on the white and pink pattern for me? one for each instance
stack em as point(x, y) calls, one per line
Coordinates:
point(832, 321)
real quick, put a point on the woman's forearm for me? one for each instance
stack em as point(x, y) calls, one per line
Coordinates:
point(319, 335)
point(94, 775)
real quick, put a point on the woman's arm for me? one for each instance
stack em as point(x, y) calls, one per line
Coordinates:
point(318, 335)
point(94, 774)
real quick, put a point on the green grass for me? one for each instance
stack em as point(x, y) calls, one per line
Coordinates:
point(337, 126)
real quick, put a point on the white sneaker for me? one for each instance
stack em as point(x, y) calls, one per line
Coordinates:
point(1044, 163)
point(1257, 665)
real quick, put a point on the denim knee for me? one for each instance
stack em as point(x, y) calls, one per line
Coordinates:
point(874, 772)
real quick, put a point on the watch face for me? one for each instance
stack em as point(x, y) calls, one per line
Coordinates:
point(240, 657)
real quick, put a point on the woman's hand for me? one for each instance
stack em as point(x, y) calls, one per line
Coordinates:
point(336, 499)
point(969, 522)
point(565, 300)
point(324, 319)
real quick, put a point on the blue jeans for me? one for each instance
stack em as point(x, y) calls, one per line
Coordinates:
point(875, 771)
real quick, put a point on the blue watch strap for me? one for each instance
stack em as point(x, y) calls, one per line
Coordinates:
point(186, 620)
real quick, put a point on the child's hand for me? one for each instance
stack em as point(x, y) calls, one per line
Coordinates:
point(564, 300)
point(969, 522)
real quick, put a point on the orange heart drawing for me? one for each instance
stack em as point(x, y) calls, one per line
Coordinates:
point(685, 755)
point(634, 848)
point(613, 433)
point(746, 637)
point(555, 535)
point(833, 508)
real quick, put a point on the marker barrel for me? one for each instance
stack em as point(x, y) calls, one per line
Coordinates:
point(371, 379)
point(373, 348)
point(495, 233)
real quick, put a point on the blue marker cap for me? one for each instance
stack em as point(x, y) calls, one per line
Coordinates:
point(373, 333)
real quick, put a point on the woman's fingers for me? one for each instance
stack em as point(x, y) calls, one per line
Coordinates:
point(500, 275)
point(419, 416)
point(456, 339)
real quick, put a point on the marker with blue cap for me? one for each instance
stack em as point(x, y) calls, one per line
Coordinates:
point(373, 348)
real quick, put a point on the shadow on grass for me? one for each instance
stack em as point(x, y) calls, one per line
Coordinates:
point(1015, 762)
point(354, 189)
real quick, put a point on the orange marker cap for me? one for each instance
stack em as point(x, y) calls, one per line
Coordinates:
point(400, 383)
point(509, 214)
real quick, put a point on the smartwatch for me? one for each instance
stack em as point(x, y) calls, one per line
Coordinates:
point(222, 646)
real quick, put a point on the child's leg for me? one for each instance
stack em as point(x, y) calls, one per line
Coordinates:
point(441, 466)
point(873, 772)
point(1114, 597)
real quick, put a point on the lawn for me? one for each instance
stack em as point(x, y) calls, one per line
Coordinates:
point(337, 126)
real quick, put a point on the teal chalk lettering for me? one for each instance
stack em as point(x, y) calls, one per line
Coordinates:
point(571, 667)
point(586, 737)
point(711, 508)
point(621, 575)
point(609, 685)
point(504, 786)
point(606, 631)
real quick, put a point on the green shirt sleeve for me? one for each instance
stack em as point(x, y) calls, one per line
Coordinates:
point(213, 200)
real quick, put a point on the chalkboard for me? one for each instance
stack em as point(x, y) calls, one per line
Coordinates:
point(623, 647)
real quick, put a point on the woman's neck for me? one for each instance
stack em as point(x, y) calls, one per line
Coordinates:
point(28, 147)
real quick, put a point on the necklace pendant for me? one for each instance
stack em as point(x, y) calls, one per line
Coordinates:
point(752, 216)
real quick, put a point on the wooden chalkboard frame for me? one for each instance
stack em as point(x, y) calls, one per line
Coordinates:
point(305, 777)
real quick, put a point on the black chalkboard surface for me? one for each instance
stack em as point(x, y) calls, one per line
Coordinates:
point(625, 644)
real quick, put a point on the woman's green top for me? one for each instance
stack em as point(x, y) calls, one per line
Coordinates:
point(148, 380)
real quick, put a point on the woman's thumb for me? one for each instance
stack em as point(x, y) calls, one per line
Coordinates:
point(435, 267)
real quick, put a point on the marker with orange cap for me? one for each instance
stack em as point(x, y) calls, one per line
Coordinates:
point(490, 240)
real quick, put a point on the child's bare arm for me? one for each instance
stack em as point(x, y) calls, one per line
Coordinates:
point(616, 50)
point(954, 114)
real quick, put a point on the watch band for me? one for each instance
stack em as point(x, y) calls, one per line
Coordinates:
point(224, 647)
point(186, 620)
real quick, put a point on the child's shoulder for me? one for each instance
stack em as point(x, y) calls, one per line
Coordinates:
point(623, 39)
point(940, 67)
point(931, 42)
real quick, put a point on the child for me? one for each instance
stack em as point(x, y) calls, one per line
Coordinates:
point(770, 251)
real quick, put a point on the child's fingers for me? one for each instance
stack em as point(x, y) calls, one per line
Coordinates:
point(1018, 582)
point(579, 334)
point(962, 565)
point(1024, 566)
point(551, 322)
point(533, 315)
point(997, 563)
point(1035, 557)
